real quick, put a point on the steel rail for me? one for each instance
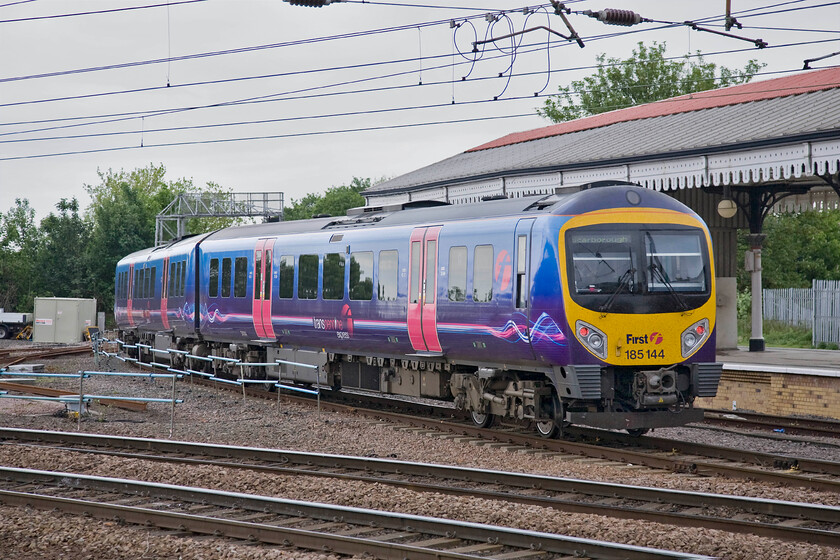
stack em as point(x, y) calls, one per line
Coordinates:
point(785, 424)
point(775, 460)
point(32, 354)
point(423, 537)
point(607, 494)
point(667, 454)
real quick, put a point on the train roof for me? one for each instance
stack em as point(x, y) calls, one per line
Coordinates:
point(575, 200)
point(565, 201)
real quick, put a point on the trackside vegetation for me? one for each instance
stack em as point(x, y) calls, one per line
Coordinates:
point(74, 250)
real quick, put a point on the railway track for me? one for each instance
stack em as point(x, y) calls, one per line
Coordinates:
point(812, 523)
point(657, 453)
point(773, 424)
point(300, 524)
point(12, 356)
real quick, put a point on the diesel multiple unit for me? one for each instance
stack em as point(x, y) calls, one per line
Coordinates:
point(595, 307)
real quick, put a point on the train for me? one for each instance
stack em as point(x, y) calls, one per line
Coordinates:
point(592, 307)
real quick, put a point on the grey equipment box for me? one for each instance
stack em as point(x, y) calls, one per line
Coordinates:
point(63, 319)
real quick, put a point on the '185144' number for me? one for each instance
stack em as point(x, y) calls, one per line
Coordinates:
point(644, 354)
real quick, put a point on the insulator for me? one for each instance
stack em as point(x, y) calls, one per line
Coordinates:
point(612, 16)
point(311, 3)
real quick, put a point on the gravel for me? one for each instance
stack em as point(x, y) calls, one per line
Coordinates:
point(223, 417)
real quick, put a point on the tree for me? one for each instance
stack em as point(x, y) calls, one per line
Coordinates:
point(798, 248)
point(335, 202)
point(644, 77)
point(122, 216)
point(18, 244)
point(60, 265)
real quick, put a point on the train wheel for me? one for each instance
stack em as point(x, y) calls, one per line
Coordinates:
point(552, 428)
point(5, 332)
point(548, 429)
point(636, 432)
point(481, 420)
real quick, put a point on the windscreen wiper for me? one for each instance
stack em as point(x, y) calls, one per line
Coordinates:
point(655, 267)
point(657, 271)
point(623, 282)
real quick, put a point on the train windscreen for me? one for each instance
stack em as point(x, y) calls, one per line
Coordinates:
point(633, 268)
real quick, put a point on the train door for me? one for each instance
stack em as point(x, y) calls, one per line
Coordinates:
point(130, 294)
point(522, 266)
point(263, 267)
point(164, 293)
point(422, 289)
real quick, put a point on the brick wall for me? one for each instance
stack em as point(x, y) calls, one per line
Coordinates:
point(777, 393)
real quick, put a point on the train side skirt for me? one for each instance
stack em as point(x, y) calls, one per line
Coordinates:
point(635, 420)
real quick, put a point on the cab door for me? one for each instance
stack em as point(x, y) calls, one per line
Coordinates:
point(130, 297)
point(164, 293)
point(522, 268)
point(263, 270)
point(422, 289)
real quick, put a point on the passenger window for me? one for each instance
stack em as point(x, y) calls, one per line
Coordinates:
point(214, 278)
point(521, 270)
point(483, 273)
point(308, 277)
point(361, 276)
point(414, 287)
point(240, 277)
point(268, 264)
point(182, 290)
point(287, 276)
point(386, 288)
point(431, 273)
point(333, 276)
point(146, 278)
point(171, 283)
point(457, 274)
point(257, 274)
point(226, 276)
point(153, 282)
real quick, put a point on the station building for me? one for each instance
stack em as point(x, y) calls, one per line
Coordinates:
point(734, 155)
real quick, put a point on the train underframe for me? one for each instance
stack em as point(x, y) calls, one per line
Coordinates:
point(632, 399)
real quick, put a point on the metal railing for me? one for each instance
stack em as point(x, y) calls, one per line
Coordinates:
point(817, 308)
point(81, 398)
point(212, 359)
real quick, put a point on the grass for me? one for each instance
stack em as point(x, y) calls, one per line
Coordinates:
point(779, 334)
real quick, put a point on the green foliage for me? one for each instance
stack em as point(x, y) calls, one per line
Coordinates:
point(123, 216)
point(644, 77)
point(335, 202)
point(61, 268)
point(798, 248)
point(74, 255)
point(801, 247)
point(19, 238)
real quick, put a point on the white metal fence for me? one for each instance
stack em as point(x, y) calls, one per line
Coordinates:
point(817, 308)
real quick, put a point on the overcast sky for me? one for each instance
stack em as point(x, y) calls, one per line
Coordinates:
point(304, 101)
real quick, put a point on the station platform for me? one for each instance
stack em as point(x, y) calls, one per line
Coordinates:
point(787, 381)
point(804, 361)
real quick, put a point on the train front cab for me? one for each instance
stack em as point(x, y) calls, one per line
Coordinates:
point(639, 298)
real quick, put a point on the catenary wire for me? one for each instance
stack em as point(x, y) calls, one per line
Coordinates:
point(271, 136)
point(708, 54)
point(95, 12)
point(238, 50)
point(291, 95)
point(722, 94)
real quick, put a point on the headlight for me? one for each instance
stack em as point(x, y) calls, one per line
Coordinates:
point(593, 339)
point(694, 336)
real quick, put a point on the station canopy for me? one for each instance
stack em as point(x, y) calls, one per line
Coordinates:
point(783, 130)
